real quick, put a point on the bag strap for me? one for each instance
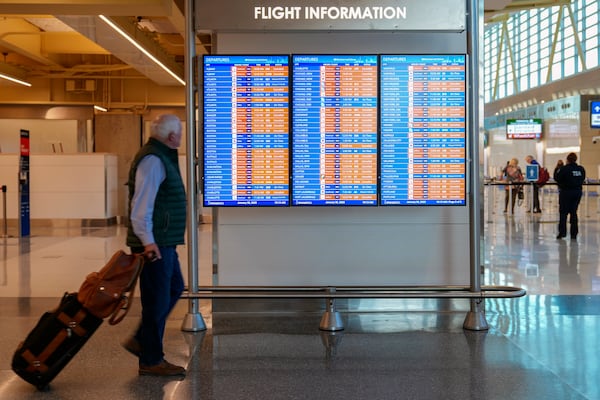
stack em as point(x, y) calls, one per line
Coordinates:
point(122, 307)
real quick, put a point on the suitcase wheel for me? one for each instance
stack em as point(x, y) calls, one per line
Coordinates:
point(43, 387)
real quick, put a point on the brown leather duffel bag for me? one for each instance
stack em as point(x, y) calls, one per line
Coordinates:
point(109, 292)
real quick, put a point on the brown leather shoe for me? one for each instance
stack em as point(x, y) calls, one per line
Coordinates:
point(165, 368)
point(132, 346)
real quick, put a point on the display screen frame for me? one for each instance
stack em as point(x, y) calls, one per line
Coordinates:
point(354, 191)
point(441, 184)
point(524, 128)
point(594, 114)
point(220, 186)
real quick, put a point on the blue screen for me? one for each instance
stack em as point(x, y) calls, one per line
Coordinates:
point(423, 130)
point(595, 114)
point(334, 125)
point(246, 130)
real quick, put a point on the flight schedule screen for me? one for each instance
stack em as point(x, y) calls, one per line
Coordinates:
point(246, 130)
point(334, 125)
point(423, 129)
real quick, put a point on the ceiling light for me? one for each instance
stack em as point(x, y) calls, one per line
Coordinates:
point(563, 150)
point(140, 48)
point(100, 108)
point(13, 74)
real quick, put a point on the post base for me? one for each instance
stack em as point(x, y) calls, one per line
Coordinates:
point(331, 321)
point(475, 321)
point(193, 323)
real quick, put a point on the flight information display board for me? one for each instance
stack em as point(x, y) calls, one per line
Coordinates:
point(530, 128)
point(246, 130)
point(334, 125)
point(423, 129)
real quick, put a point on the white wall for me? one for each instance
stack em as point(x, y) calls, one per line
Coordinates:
point(43, 134)
point(66, 186)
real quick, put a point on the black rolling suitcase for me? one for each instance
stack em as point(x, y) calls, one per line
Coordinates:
point(57, 337)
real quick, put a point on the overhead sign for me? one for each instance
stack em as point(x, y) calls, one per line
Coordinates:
point(240, 15)
point(595, 114)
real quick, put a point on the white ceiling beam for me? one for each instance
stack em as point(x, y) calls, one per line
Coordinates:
point(98, 31)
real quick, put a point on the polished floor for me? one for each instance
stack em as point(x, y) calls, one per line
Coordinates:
point(545, 345)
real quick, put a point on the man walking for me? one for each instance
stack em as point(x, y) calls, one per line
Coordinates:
point(157, 225)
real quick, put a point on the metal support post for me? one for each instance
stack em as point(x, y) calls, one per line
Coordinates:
point(4, 221)
point(193, 321)
point(587, 200)
point(331, 320)
point(475, 319)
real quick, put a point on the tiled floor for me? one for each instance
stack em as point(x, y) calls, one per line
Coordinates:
point(545, 345)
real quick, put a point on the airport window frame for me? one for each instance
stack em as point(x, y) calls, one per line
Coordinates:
point(534, 30)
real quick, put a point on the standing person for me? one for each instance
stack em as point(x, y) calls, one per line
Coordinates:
point(157, 205)
point(512, 174)
point(559, 164)
point(569, 178)
point(536, 188)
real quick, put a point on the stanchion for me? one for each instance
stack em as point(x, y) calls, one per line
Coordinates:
point(331, 319)
point(4, 221)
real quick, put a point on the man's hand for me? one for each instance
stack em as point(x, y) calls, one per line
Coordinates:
point(151, 252)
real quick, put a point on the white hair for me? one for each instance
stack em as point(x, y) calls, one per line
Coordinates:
point(163, 125)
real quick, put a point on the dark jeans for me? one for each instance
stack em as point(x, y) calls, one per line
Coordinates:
point(161, 285)
point(568, 201)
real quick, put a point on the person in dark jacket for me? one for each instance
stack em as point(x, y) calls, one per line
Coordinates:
point(157, 209)
point(569, 179)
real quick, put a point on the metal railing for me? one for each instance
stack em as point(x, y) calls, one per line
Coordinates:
point(331, 319)
point(590, 190)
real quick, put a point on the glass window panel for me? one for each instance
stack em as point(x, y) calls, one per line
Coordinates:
point(556, 72)
point(570, 52)
point(510, 89)
point(569, 41)
point(545, 53)
point(591, 58)
point(523, 17)
point(558, 47)
point(591, 33)
point(524, 83)
point(534, 79)
point(523, 71)
point(569, 66)
point(523, 53)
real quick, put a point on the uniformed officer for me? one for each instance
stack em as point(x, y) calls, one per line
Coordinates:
point(569, 178)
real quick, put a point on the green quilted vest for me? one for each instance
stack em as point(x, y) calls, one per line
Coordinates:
point(169, 217)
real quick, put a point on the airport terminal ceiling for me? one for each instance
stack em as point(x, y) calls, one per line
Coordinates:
point(61, 40)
